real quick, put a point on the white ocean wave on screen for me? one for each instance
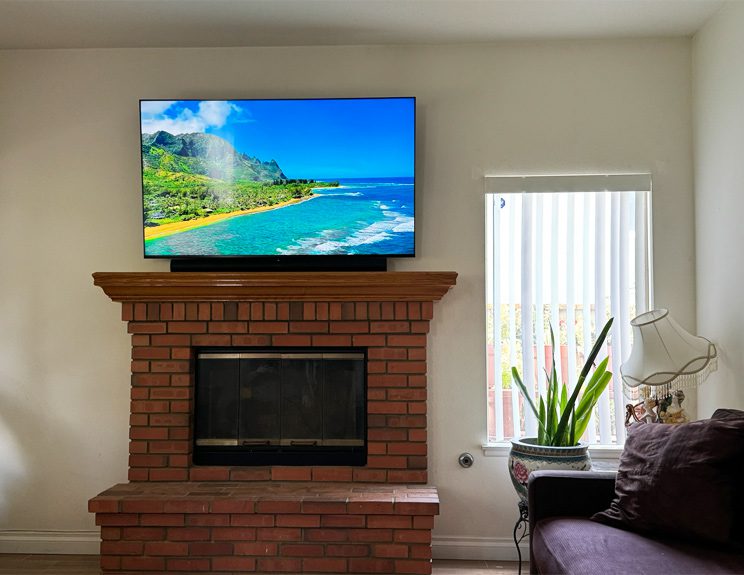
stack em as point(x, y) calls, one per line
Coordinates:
point(372, 234)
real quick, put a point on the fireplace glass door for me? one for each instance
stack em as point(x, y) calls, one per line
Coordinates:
point(280, 407)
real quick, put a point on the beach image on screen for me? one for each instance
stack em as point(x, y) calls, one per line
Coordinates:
point(278, 177)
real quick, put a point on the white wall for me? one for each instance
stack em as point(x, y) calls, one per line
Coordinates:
point(70, 205)
point(718, 68)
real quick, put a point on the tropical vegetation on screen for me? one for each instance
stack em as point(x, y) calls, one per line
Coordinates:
point(238, 177)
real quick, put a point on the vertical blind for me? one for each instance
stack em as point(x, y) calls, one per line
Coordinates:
point(568, 252)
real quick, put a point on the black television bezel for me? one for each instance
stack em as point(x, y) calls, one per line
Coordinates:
point(237, 262)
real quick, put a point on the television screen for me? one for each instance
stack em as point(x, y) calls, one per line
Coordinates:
point(311, 177)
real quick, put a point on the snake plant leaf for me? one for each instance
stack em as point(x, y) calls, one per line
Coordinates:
point(568, 410)
point(541, 417)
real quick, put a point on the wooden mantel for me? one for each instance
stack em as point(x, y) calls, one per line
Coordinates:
point(275, 286)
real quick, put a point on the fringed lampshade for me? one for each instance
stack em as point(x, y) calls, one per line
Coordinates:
point(665, 356)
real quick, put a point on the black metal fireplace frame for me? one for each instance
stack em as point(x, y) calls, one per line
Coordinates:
point(289, 455)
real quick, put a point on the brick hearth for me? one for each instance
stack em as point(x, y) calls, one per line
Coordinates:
point(269, 519)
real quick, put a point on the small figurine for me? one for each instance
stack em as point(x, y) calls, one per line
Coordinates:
point(674, 412)
point(649, 415)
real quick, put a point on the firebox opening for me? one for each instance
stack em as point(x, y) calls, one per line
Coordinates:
point(280, 406)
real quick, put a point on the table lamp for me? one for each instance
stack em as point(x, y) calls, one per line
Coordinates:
point(664, 361)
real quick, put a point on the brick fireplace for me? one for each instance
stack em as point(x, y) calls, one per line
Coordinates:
point(178, 517)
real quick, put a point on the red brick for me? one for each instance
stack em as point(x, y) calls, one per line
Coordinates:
point(391, 521)
point(121, 547)
point(409, 394)
point(282, 311)
point(103, 505)
point(385, 434)
point(370, 475)
point(110, 533)
point(257, 311)
point(150, 406)
point(139, 393)
point(143, 563)
point(323, 507)
point(166, 548)
point(169, 419)
point(422, 551)
point(204, 311)
point(387, 353)
point(350, 327)
point(406, 367)
point(228, 327)
point(376, 394)
point(387, 310)
point(233, 506)
point(138, 419)
point(412, 536)
point(257, 548)
point(423, 522)
point(375, 448)
point(406, 476)
point(170, 366)
point(401, 310)
point(308, 311)
point(250, 520)
point(279, 534)
point(371, 535)
point(427, 310)
point(391, 550)
point(162, 520)
point(373, 310)
point(419, 327)
point(386, 462)
point(116, 519)
point(208, 519)
point(256, 474)
point(186, 506)
point(414, 310)
point(407, 449)
point(234, 533)
point(143, 533)
point(142, 474)
point(244, 311)
point(336, 550)
point(167, 475)
point(406, 421)
point(270, 311)
point(360, 310)
point(334, 311)
point(221, 339)
point(336, 535)
point(209, 474)
point(218, 311)
point(332, 340)
point(233, 564)
point(291, 474)
point(251, 340)
point(187, 327)
point(268, 327)
point(170, 393)
point(140, 339)
point(416, 435)
point(179, 407)
point(146, 327)
point(178, 460)
point(188, 534)
point(279, 507)
point(369, 340)
point(139, 366)
point(376, 367)
point(371, 565)
point(413, 566)
point(397, 407)
point(343, 520)
point(291, 340)
point(308, 327)
point(210, 548)
point(417, 353)
point(150, 353)
point(301, 550)
point(387, 380)
point(370, 507)
point(189, 564)
point(279, 565)
point(300, 520)
point(321, 311)
point(142, 506)
point(332, 474)
point(179, 311)
point(192, 311)
point(324, 565)
point(169, 446)
point(171, 340)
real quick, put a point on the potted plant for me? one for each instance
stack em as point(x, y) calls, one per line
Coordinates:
point(561, 419)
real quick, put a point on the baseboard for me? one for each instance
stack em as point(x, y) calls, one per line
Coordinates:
point(50, 542)
point(478, 548)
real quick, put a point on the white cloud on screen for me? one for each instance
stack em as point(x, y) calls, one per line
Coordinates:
point(209, 114)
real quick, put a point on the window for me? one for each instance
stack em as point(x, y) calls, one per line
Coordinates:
point(568, 252)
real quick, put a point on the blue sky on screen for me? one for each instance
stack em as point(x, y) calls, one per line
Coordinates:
point(346, 138)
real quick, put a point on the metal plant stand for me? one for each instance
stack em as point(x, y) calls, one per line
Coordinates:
point(521, 530)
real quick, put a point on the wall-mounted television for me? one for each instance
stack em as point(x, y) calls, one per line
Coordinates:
point(278, 180)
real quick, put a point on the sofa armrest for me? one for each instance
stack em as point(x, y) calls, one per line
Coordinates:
point(568, 493)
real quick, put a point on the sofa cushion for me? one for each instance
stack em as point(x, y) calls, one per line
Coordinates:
point(577, 546)
point(679, 480)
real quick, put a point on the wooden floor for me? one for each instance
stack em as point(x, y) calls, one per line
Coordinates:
point(88, 565)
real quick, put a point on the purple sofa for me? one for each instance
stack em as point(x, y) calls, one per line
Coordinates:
point(564, 541)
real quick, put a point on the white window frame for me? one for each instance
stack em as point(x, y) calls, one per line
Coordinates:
point(581, 183)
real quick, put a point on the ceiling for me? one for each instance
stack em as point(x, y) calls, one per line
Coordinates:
point(213, 23)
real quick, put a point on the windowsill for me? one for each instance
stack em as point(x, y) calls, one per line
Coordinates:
point(596, 452)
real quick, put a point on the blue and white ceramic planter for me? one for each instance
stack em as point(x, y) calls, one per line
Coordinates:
point(527, 456)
